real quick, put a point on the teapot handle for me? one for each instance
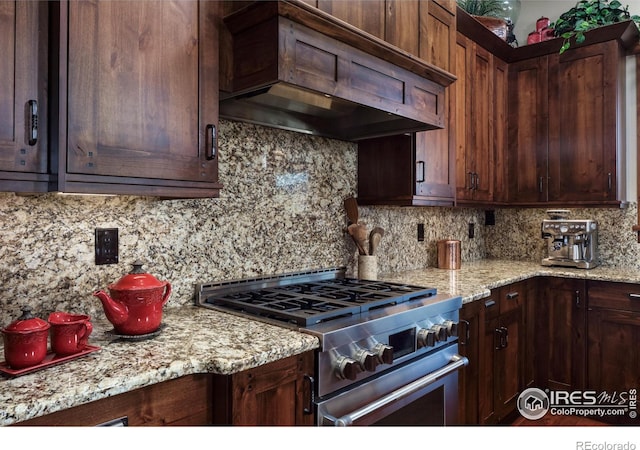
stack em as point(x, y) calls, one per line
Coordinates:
point(167, 293)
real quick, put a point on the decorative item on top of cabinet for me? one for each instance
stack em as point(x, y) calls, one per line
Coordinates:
point(137, 98)
point(23, 99)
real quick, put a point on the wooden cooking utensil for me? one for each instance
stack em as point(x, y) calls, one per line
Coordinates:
point(351, 206)
point(359, 235)
point(374, 239)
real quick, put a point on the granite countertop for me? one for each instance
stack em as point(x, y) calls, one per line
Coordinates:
point(199, 340)
point(192, 340)
point(474, 280)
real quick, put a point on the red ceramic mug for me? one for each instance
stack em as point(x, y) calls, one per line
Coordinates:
point(69, 332)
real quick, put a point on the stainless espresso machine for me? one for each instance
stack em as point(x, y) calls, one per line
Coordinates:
point(570, 242)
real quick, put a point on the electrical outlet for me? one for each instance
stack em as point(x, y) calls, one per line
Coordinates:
point(420, 232)
point(472, 230)
point(106, 246)
point(489, 217)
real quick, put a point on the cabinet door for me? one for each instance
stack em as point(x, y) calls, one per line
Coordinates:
point(274, 394)
point(500, 118)
point(437, 147)
point(562, 335)
point(469, 346)
point(583, 113)
point(487, 362)
point(509, 348)
point(367, 15)
point(528, 132)
point(462, 102)
point(139, 91)
point(614, 332)
point(480, 144)
point(23, 106)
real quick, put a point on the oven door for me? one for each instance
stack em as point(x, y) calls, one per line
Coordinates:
point(421, 392)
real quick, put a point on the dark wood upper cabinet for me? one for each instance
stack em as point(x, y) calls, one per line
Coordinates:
point(137, 98)
point(23, 100)
point(565, 116)
point(416, 169)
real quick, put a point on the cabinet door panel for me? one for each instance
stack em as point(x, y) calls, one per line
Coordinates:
point(582, 123)
point(368, 15)
point(528, 119)
point(462, 102)
point(480, 146)
point(563, 350)
point(134, 93)
point(21, 81)
point(614, 365)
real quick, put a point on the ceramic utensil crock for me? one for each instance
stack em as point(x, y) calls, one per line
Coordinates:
point(25, 341)
point(136, 301)
point(69, 332)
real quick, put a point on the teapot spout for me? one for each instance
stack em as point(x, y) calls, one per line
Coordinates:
point(117, 313)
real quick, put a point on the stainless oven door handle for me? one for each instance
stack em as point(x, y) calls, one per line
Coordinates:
point(457, 362)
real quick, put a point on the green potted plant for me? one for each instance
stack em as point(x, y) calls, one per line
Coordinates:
point(587, 15)
point(488, 12)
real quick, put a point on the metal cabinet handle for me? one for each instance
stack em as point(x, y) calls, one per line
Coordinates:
point(421, 180)
point(512, 295)
point(540, 185)
point(578, 302)
point(212, 145)
point(634, 296)
point(504, 341)
point(609, 183)
point(489, 303)
point(470, 181)
point(467, 333)
point(308, 409)
point(477, 181)
point(32, 132)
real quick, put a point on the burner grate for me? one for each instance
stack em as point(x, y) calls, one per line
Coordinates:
point(310, 302)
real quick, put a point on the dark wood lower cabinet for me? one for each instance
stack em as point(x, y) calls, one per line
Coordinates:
point(468, 377)
point(495, 341)
point(184, 401)
point(561, 334)
point(613, 364)
point(272, 394)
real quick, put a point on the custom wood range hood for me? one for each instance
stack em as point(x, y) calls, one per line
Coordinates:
point(288, 65)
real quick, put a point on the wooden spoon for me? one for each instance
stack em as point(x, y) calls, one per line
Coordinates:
point(374, 239)
point(351, 206)
point(359, 235)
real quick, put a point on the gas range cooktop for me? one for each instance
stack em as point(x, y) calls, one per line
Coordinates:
point(305, 299)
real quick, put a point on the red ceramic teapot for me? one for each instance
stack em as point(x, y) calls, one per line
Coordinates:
point(25, 341)
point(136, 301)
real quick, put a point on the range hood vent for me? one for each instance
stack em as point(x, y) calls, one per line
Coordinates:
point(285, 64)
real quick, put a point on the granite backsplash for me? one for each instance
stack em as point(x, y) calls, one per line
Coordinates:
point(281, 210)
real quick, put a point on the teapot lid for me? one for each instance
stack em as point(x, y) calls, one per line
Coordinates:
point(27, 323)
point(137, 279)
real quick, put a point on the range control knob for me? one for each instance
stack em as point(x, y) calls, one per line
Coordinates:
point(367, 359)
point(452, 327)
point(384, 353)
point(427, 337)
point(347, 368)
point(441, 332)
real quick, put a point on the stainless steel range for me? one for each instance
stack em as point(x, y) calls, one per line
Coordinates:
point(388, 351)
